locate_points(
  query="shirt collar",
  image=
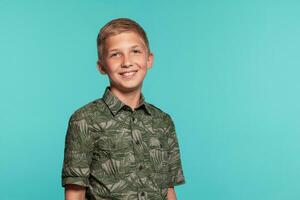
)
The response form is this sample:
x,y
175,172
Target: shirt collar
x,y
115,104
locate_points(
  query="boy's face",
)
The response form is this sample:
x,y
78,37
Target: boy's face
x,y
125,61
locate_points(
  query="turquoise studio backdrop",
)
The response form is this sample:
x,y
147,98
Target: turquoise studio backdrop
x,y
227,72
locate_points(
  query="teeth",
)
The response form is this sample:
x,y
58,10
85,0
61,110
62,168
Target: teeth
x,y
127,73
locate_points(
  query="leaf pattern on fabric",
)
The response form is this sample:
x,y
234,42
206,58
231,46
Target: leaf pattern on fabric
x,y
122,154
111,167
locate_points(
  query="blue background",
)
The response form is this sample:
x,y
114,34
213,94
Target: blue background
x,y
226,71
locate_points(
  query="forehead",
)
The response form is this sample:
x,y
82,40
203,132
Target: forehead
x,y
124,40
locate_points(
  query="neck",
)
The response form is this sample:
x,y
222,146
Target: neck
x,y
130,98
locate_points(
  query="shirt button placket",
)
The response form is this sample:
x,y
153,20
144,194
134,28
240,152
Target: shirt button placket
x,y
141,195
132,126
133,118
133,122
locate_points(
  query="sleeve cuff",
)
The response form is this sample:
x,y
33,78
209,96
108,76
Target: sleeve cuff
x,y
178,179
178,183
75,181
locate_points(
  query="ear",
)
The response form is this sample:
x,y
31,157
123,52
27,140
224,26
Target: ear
x,y
150,60
100,67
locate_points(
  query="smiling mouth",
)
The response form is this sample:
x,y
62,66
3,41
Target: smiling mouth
x,y
128,74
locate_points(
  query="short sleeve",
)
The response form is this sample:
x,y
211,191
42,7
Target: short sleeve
x,y
77,153
176,176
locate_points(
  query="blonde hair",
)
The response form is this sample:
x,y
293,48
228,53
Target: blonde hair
x,y
115,27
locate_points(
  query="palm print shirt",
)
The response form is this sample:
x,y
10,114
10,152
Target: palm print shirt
x,y
118,153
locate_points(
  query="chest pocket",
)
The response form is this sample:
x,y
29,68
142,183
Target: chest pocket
x,y
113,145
158,153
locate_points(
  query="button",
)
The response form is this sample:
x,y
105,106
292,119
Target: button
x,y
140,167
134,119
142,193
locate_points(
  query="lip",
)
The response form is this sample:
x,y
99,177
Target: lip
x,y
122,73
128,75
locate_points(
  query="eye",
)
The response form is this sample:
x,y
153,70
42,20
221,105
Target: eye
x,y
137,51
114,54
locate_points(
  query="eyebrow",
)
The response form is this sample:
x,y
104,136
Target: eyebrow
x,y
113,50
132,47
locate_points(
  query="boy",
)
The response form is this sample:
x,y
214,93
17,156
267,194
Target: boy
x,y
119,146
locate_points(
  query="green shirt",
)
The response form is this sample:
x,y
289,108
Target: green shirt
x,y
118,153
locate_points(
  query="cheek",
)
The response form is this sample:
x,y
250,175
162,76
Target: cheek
x,y
142,62
112,65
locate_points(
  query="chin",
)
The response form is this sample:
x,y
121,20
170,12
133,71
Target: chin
x,y
130,87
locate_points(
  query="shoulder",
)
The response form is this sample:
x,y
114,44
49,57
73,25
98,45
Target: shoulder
x,y
158,113
88,111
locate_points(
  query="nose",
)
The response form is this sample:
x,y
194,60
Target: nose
x,y
126,61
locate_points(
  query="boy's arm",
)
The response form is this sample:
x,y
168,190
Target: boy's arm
x,y
77,158
74,192
175,167
171,194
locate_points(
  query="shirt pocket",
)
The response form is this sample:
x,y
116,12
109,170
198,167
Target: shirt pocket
x,y
159,159
114,148
158,154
